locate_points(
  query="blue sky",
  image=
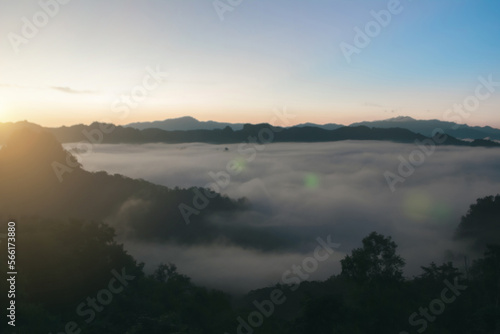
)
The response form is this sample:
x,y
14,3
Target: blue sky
x,y
263,55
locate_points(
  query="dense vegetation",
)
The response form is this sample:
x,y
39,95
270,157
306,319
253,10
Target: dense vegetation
x,y
481,224
67,264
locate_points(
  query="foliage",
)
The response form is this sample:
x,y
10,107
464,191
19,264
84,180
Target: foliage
x,y
481,224
376,260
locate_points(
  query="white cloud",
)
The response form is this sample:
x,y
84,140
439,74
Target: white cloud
x,y
347,198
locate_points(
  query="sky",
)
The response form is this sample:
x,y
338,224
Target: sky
x,y
92,60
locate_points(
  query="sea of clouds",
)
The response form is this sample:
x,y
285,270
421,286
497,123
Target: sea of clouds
x,y
303,191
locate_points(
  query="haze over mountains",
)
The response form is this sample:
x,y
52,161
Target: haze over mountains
x,y
250,133
424,127
190,123
183,124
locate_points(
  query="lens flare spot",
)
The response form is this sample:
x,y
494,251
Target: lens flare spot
x,y
417,206
421,206
240,164
441,211
311,181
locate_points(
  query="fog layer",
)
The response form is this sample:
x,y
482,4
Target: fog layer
x,y
304,191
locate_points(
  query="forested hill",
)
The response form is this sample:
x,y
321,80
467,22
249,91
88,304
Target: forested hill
x,y
39,178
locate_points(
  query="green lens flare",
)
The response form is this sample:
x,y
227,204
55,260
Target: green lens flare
x,y
240,164
421,206
311,181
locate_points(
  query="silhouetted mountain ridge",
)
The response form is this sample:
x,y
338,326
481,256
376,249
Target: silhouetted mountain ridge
x,y
259,133
183,124
425,127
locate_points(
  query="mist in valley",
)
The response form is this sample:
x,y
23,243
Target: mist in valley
x,y
299,192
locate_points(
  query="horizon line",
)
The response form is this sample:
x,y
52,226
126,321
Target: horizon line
x,y
244,123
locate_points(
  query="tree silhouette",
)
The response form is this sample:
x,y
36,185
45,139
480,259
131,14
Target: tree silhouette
x,y
376,260
481,224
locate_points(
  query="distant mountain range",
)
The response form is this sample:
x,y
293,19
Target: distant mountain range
x,y
184,124
187,123
329,126
258,133
424,127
